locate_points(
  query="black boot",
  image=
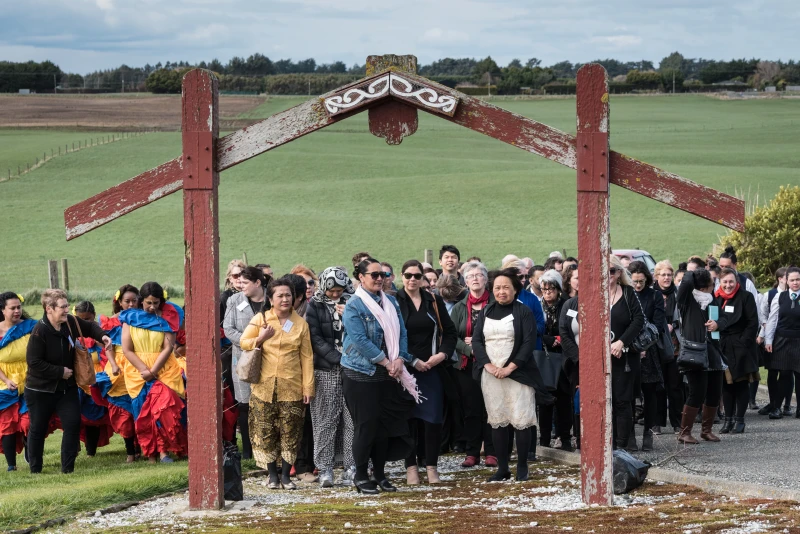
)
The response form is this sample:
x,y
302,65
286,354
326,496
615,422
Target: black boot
x,y
739,427
647,441
631,446
727,426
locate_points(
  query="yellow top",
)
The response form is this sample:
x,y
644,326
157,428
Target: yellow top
x,y
287,359
118,387
147,345
13,364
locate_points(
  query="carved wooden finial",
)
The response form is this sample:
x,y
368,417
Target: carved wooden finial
x,y
392,120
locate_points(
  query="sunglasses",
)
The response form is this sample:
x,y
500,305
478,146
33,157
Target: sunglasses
x,y
311,283
613,270
524,277
236,276
377,274
415,276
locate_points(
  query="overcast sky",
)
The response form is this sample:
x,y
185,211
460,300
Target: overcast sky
x,y
84,35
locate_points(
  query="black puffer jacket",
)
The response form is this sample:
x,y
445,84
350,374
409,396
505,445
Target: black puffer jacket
x,y
323,336
49,351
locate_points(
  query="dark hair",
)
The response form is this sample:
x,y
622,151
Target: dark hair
x,y
474,258
749,276
638,267
412,263
697,260
253,274
300,285
127,288
363,265
566,278
358,257
730,253
427,270
262,266
702,278
509,273
449,287
725,271
679,271
535,268
283,281
387,264
152,289
682,266
570,258
449,248
551,263
10,295
714,269
792,270
84,306
780,273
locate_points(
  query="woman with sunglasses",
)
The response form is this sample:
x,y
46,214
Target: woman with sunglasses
x,y
310,278
626,320
233,284
431,338
379,391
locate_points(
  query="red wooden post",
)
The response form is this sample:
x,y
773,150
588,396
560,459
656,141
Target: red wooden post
x,y
593,251
201,237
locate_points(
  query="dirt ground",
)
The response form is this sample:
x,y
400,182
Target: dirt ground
x,y
135,112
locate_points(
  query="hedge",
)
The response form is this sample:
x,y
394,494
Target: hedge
x,y
477,91
303,84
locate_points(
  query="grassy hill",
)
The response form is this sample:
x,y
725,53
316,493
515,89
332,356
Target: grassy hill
x,y
327,195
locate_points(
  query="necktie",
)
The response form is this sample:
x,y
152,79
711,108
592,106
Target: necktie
x,y
793,296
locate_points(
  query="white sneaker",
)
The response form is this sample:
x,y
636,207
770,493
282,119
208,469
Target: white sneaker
x,y
326,479
349,474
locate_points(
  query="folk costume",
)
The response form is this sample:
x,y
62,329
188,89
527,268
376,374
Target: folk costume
x,y
14,421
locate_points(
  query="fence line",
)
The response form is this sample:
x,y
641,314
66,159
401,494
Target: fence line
x,y
68,149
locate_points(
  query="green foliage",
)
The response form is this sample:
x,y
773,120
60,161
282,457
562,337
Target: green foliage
x,y
478,91
650,80
516,78
449,67
720,71
37,77
486,66
672,78
304,84
241,83
165,81
769,240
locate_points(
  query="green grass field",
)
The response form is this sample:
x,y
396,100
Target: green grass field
x,y
327,195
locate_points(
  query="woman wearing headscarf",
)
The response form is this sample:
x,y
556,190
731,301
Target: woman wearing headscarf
x,y
431,339
331,422
738,327
552,302
695,294
286,383
15,332
477,432
379,391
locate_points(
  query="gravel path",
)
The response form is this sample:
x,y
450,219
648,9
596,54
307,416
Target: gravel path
x,y
764,454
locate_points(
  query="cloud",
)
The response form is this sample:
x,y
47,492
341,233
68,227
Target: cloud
x,y
438,35
618,41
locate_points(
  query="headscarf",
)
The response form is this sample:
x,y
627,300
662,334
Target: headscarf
x,y
331,278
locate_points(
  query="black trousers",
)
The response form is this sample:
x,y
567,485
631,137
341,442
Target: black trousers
x,y
624,379
41,406
563,407
705,387
671,398
476,431
735,397
453,426
305,452
650,395
427,438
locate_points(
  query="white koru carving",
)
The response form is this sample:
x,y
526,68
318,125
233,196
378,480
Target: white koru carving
x,y
426,95
355,96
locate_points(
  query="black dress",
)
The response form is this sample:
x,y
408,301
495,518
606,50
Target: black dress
x,y
421,327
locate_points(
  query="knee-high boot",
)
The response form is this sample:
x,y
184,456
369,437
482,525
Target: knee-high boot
x,y
687,422
706,433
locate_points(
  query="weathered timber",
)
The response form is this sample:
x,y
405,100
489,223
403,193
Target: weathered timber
x,y
65,274
52,273
200,125
392,120
593,313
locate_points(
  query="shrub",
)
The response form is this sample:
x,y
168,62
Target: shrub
x,y
165,81
477,91
304,84
770,239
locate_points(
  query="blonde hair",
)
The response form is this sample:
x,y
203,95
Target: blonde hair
x,y
302,270
663,265
515,264
624,278
51,296
233,263
508,258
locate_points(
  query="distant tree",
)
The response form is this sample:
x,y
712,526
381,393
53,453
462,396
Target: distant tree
x,y
236,66
515,63
644,80
258,65
357,69
216,66
449,67
674,61
486,70
337,67
284,66
533,62
165,81
305,66
672,78
720,71
564,69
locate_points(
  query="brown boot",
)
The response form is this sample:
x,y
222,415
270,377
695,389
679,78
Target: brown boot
x,y
708,423
687,422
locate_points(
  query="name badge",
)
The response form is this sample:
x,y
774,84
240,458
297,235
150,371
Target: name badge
x,y
728,309
242,305
572,313
71,343
287,325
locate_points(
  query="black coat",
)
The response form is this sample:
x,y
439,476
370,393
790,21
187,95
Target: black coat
x,y
569,345
323,337
447,328
693,323
653,308
548,337
738,330
49,351
525,334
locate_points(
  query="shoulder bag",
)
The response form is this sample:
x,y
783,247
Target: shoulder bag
x,y
649,334
549,364
84,368
693,355
248,368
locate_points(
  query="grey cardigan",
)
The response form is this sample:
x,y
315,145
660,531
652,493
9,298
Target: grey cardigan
x,y
236,320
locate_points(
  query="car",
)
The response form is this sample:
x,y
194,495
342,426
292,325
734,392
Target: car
x,y
636,254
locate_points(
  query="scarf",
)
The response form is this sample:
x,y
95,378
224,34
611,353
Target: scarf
x,y
471,301
719,293
551,317
669,291
331,278
702,298
386,316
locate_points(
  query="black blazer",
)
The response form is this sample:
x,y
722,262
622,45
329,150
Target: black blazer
x,y
738,330
569,348
323,337
49,352
448,328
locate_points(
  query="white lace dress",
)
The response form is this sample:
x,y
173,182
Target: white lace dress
x,y
507,401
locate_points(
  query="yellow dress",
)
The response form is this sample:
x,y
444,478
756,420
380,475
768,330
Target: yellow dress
x,y
13,364
147,345
118,386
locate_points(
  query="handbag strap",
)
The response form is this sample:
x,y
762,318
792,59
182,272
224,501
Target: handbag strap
x,y
77,324
438,320
636,294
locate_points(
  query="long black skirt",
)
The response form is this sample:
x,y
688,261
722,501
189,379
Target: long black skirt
x,y
785,354
380,411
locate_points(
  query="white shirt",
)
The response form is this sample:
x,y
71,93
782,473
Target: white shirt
x,y
772,321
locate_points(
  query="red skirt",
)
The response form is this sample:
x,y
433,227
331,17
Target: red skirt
x,y
121,421
159,427
11,422
104,424
230,414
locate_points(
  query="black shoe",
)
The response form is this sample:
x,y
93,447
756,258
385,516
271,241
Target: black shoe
x,y
566,445
459,448
727,427
676,429
753,406
631,446
787,410
765,410
497,477
776,414
739,427
797,413
366,486
647,442
385,485
656,430
522,472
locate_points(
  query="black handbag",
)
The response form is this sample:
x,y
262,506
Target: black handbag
x,y
693,355
549,364
649,333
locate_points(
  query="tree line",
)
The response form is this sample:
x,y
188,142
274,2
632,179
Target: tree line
x,y
258,73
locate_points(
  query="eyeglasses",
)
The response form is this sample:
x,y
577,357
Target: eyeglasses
x,y
474,276
638,282
64,307
613,270
415,276
236,276
377,274
549,290
523,277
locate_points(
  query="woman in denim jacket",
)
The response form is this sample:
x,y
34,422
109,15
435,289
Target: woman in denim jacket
x,y
379,391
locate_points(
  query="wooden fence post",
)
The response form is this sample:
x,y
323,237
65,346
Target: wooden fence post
x,y
244,258
64,274
52,273
428,255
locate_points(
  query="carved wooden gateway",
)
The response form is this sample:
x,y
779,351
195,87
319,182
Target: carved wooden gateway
x,y
393,93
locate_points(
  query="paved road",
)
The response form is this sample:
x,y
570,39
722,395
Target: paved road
x,y
767,453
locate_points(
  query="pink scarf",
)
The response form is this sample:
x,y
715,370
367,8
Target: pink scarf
x,y
390,323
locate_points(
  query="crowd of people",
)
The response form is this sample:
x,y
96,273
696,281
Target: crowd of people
x,y
357,369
